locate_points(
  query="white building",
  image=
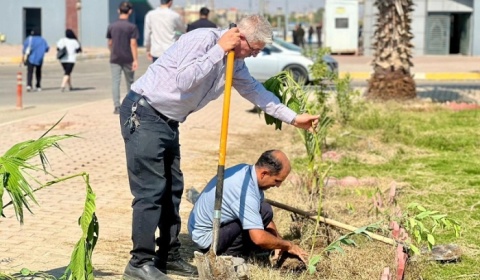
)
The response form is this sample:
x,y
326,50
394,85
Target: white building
x,y
440,27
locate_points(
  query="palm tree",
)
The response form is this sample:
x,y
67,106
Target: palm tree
x,y
393,52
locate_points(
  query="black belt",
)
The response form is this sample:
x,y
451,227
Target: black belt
x,y
140,100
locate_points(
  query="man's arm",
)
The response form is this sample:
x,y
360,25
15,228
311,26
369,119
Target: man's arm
x,y
134,49
180,26
146,35
267,240
256,93
110,44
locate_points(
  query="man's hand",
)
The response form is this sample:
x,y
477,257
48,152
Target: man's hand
x,y
149,56
299,252
306,121
134,65
230,39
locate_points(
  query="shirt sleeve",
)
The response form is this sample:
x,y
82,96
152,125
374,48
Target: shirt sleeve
x,y
147,33
255,92
180,26
109,33
199,57
249,213
134,33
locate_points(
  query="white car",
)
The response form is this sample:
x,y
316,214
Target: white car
x,y
280,56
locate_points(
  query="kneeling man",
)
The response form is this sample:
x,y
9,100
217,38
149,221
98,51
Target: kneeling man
x,y
246,221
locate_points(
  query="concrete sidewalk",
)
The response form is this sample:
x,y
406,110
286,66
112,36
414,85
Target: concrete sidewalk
x,y
450,67
46,239
12,54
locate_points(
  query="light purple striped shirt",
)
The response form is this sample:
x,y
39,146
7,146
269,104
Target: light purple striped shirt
x,y
191,73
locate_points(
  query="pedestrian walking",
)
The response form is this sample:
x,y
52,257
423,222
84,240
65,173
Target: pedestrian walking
x,y
70,46
294,35
319,35
34,49
300,36
310,35
183,80
162,26
122,38
203,22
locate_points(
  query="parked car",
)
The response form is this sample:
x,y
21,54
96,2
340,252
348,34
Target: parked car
x,y
282,55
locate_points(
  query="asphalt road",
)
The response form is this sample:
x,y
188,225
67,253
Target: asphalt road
x,y
92,81
90,78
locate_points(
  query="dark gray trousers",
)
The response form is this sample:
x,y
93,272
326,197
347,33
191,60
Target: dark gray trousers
x,y
156,182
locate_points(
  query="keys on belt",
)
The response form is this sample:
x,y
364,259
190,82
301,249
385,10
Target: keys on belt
x,y
133,121
138,99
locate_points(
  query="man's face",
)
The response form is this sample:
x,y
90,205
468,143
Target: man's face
x,y
268,180
247,49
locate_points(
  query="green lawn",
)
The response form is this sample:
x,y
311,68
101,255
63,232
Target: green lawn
x,y
434,151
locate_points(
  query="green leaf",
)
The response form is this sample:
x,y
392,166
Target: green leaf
x,y
431,239
26,272
15,166
414,249
80,266
422,215
314,260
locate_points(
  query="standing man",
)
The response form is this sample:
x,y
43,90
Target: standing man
x,y
319,35
183,80
203,22
300,36
310,35
247,220
161,28
122,38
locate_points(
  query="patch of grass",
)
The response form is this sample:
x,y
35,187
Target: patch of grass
x,y
435,152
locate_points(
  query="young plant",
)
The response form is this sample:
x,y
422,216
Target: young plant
x,y
422,223
15,168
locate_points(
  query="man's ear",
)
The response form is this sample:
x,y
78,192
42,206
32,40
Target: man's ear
x,y
264,173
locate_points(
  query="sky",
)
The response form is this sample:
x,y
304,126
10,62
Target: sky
x,y
271,5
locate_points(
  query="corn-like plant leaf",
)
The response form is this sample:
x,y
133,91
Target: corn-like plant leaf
x,y
14,166
81,267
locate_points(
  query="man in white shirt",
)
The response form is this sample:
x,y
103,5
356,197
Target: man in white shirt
x,y
161,28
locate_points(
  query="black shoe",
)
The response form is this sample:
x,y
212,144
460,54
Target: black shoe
x,y
179,267
146,272
116,111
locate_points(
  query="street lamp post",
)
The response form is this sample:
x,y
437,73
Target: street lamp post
x,y
286,20
79,20
279,19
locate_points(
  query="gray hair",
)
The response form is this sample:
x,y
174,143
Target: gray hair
x,y
256,29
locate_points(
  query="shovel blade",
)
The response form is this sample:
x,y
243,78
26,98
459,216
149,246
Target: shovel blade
x,y
215,267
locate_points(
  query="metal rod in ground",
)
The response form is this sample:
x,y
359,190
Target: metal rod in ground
x,y
330,221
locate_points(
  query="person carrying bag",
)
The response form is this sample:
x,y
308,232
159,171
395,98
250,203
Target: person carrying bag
x,y
34,49
67,49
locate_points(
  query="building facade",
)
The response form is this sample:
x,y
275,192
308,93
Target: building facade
x,y
89,19
439,27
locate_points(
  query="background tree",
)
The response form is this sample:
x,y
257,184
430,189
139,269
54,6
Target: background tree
x,y
318,16
393,52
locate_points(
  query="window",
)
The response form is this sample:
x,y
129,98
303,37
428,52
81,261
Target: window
x,y
341,23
